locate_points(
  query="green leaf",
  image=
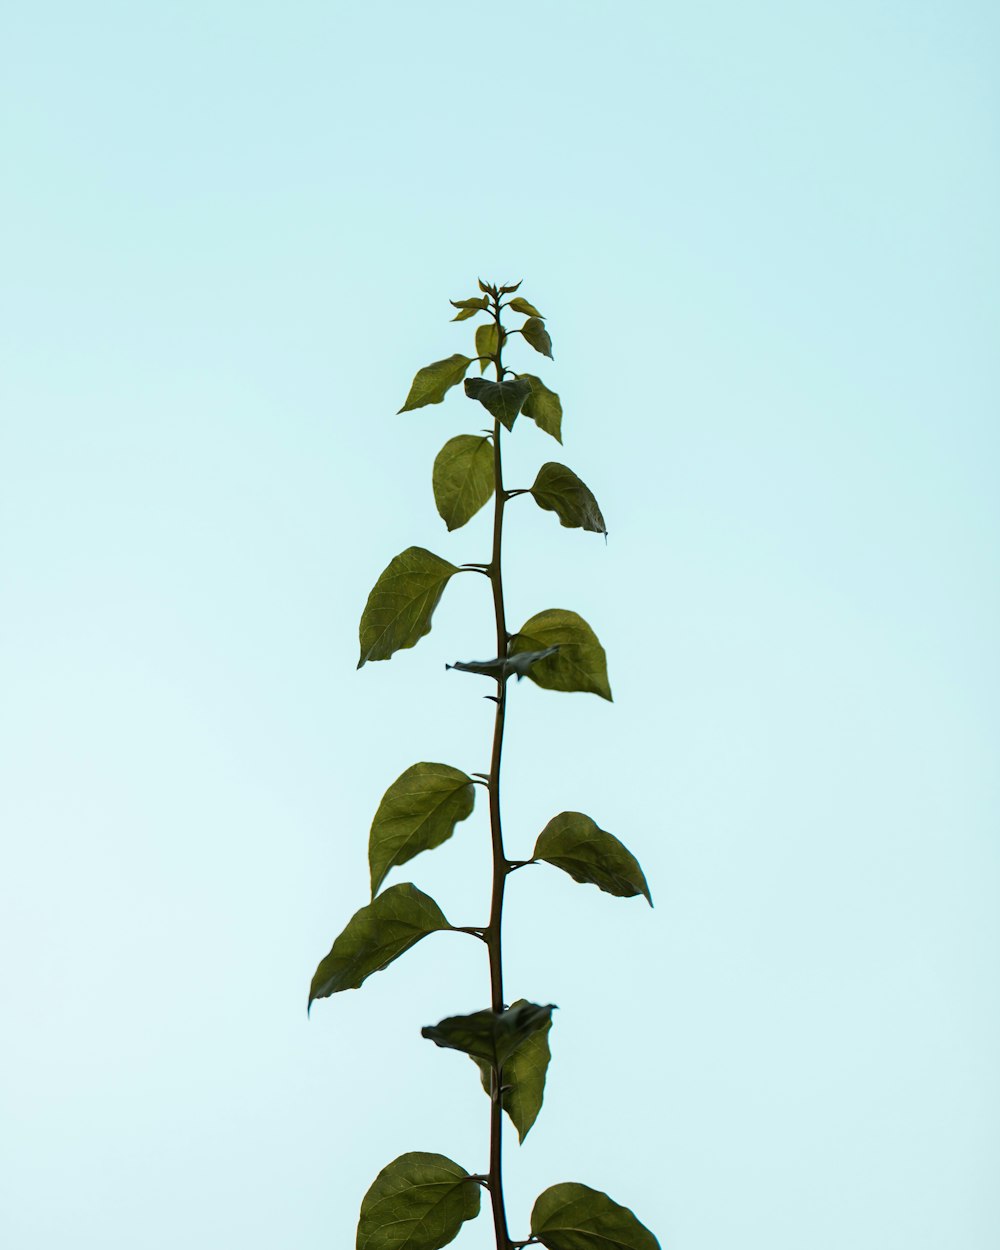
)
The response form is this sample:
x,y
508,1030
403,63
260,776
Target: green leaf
x,y
490,1036
519,305
504,290
463,478
418,1202
504,400
559,490
487,343
516,664
575,1217
418,812
399,609
483,287
543,407
468,307
376,935
574,843
432,383
536,334
523,1078
580,662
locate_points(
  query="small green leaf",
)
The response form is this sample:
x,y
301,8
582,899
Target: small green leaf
x,y
543,407
516,664
575,1217
559,490
580,662
487,340
399,609
483,287
374,937
468,307
519,305
432,383
536,334
418,812
418,1202
503,400
574,843
490,1036
523,1078
505,290
463,478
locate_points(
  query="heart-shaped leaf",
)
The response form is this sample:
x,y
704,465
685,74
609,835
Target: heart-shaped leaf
x,y
576,1217
399,609
487,344
463,478
578,664
375,936
519,305
503,400
418,812
536,334
433,382
573,842
543,407
523,1085
418,1202
491,1036
559,490
516,664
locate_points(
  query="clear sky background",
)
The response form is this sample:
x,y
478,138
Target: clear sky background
x,y
765,237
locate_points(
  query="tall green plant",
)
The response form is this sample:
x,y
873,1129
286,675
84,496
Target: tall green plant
x,y
420,1200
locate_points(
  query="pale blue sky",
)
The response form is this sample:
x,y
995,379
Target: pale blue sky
x,y
766,240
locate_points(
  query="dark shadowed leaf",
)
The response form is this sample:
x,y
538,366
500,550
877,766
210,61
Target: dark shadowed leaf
x,y
559,490
418,812
536,334
523,1078
580,662
516,664
575,1217
418,1202
399,609
487,339
543,407
463,478
522,306
491,1036
573,842
468,307
504,400
432,383
375,936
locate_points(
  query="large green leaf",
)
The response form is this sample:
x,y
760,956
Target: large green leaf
x,y
580,662
487,344
399,609
375,936
504,400
418,1202
490,1036
573,842
432,383
463,478
418,812
543,407
520,305
576,1217
559,490
536,334
523,1078
468,307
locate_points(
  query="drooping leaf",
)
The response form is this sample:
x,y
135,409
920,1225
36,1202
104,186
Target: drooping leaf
x,y
491,1036
468,307
543,407
559,490
399,609
523,1078
376,935
519,305
487,343
432,382
516,664
576,1217
573,842
418,1202
580,662
418,812
504,400
463,478
536,334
